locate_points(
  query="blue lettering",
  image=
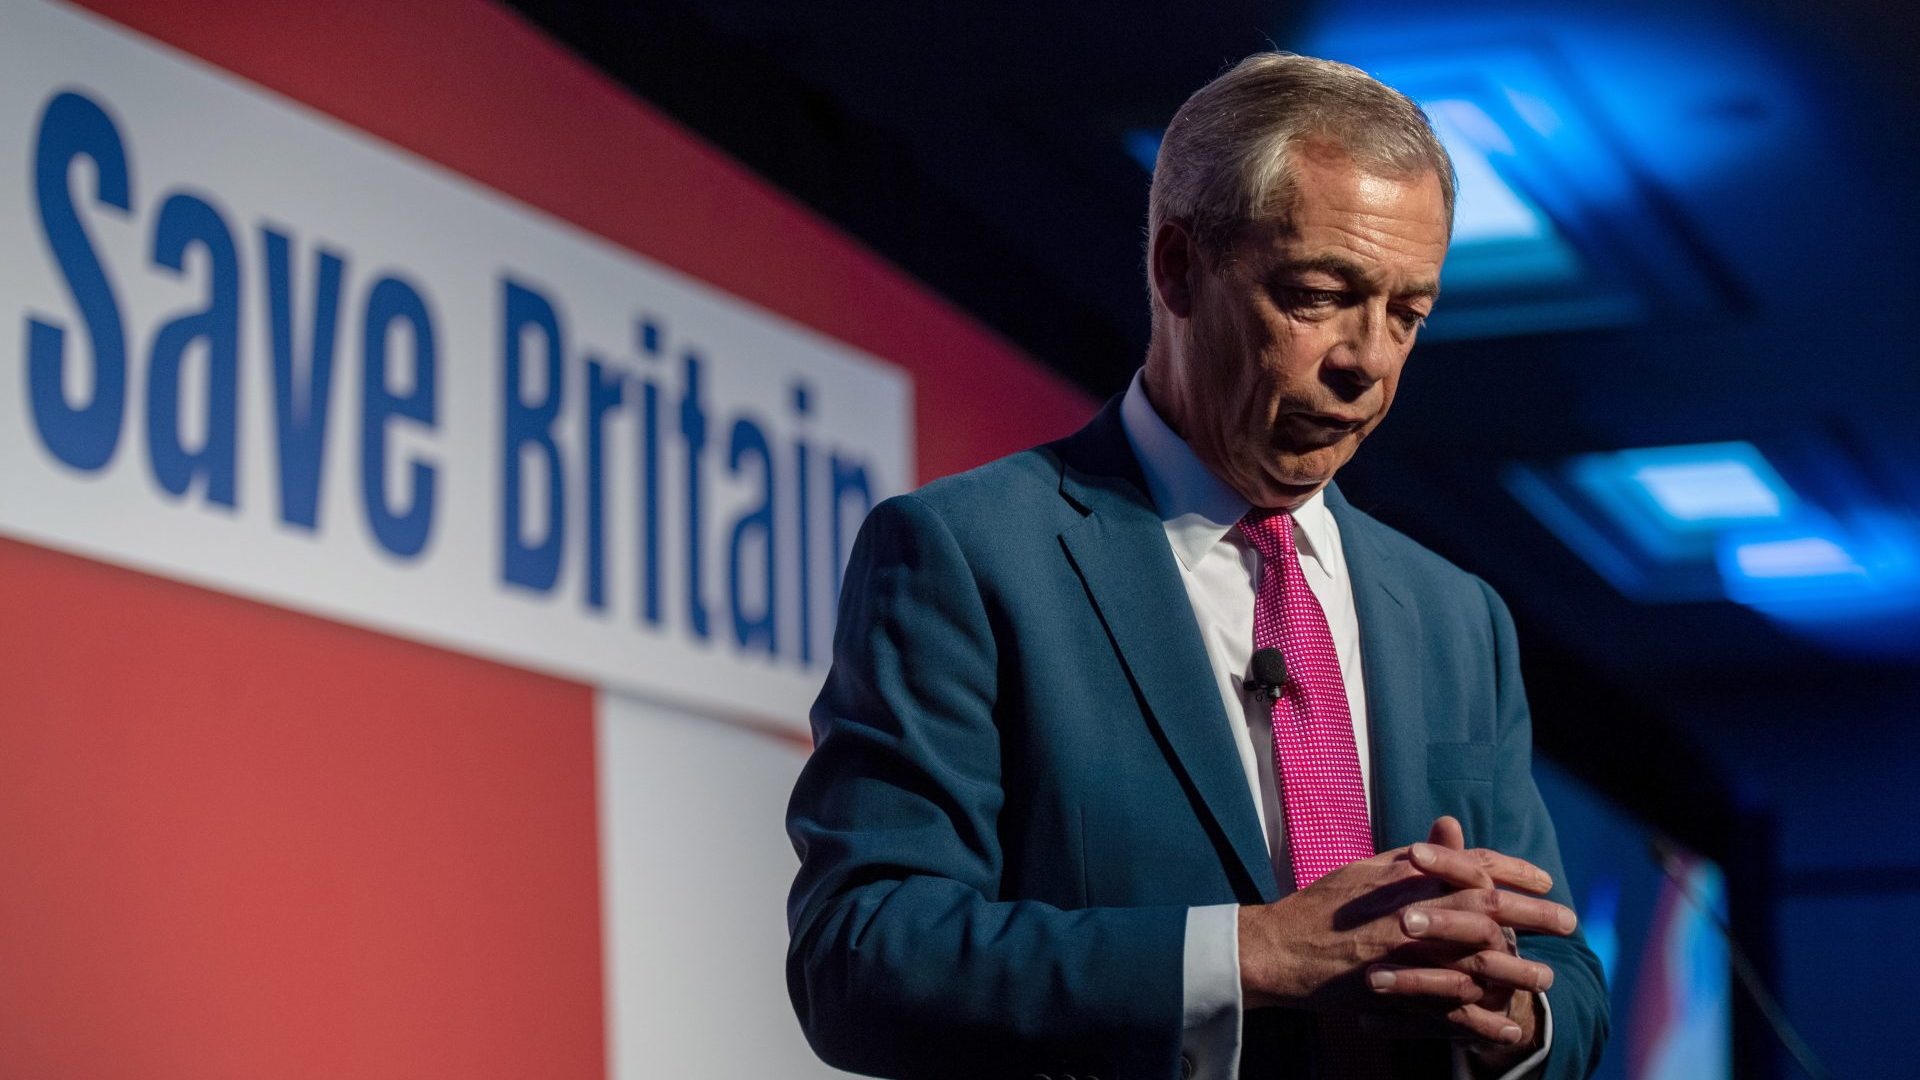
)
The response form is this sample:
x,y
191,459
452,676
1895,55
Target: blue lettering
x,y
803,532
650,482
402,531
186,221
753,631
301,404
693,428
72,127
531,564
605,389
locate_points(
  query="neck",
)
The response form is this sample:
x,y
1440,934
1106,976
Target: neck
x,y
1158,383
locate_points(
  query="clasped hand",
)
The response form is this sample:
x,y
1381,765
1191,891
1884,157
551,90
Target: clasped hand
x,y
1414,939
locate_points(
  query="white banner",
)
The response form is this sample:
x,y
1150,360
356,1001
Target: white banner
x,y
258,350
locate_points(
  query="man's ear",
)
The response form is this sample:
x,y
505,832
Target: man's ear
x,y
1173,262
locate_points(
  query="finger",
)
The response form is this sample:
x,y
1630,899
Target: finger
x,y
1498,999
1424,986
1523,913
1377,887
1431,924
1446,833
1492,967
1486,1025
1456,867
1478,868
1499,973
1512,872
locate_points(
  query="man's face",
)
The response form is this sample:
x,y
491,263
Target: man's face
x,y
1294,342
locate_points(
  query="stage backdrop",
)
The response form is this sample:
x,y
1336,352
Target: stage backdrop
x,y
425,477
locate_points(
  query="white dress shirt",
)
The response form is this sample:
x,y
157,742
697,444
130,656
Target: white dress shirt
x,y
1221,571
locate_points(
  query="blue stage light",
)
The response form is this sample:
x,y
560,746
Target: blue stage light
x,y
1501,237
1673,502
1573,165
1794,557
1717,521
1707,485
1816,569
1486,208
1713,491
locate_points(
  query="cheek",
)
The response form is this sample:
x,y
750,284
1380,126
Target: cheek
x,y
1292,357
1266,338
1230,370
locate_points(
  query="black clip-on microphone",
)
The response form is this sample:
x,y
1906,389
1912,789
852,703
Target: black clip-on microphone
x,y
1269,673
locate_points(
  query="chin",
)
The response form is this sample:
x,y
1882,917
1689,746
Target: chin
x,y
1283,478
1285,493
1312,469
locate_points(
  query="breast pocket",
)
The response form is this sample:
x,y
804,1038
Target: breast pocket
x,y
1460,780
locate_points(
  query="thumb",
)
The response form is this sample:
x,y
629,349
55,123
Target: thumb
x,y
1446,832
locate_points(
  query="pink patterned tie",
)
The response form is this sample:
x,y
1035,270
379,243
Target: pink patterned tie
x,y
1313,749
1314,754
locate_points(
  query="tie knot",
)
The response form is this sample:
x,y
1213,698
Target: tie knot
x,y
1269,531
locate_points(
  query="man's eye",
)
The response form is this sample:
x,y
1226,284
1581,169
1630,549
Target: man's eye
x,y
1409,318
1314,299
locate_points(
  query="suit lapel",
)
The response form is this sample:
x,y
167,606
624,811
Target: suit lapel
x,y
1391,658
1120,550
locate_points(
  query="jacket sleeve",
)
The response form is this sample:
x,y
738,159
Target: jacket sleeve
x,y
904,959
1579,991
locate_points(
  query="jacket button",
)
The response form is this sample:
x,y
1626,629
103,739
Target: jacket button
x,y
1186,1067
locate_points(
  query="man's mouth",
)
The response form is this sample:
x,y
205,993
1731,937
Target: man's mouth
x,y
1332,421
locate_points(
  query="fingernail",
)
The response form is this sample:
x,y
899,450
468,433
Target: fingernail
x,y
1546,982
1567,922
1415,921
1510,1033
1381,980
1421,854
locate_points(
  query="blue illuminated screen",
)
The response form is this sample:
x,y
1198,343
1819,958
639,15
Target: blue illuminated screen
x,y
1666,963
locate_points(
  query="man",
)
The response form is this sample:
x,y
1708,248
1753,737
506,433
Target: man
x,y
1067,816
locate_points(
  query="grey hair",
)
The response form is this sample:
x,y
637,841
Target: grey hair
x,y
1225,162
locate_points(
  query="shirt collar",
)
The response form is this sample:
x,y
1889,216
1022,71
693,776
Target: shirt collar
x,y
1197,507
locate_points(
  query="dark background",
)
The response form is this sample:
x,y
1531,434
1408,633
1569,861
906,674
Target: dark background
x,y
1770,234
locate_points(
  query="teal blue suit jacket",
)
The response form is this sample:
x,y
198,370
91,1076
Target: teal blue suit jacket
x,y
1022,779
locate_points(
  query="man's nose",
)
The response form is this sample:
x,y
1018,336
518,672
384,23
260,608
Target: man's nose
x,y
1367,351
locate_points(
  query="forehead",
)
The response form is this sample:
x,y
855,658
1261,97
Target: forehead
x,y
1392,228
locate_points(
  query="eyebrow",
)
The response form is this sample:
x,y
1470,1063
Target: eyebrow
x,y
1351,273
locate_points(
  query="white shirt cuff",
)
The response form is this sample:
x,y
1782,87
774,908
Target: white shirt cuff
x,y
1210,994
1523,1071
